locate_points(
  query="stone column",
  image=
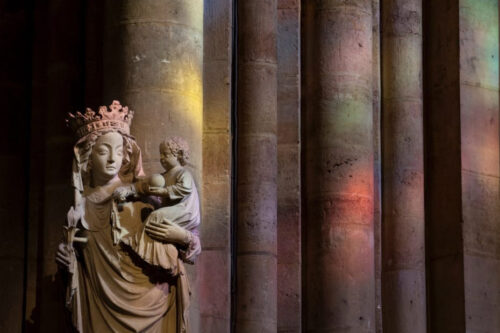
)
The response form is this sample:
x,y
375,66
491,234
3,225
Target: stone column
x,y
215,260
256,294
153,54
289,196
479,126
340,281
403,234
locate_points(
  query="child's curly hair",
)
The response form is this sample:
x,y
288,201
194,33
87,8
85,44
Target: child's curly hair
x,y
178,147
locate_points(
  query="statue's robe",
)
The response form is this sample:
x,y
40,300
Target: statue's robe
x,y
115,291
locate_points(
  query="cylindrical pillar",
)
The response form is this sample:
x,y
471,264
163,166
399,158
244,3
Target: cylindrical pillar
x,y
403,263
215,261
153,62
153,53
480,162
340,278
289,192
256,296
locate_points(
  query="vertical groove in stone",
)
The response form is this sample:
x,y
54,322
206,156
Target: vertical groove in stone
x,y
257,167
403,234
215,260
152,61
289,203
377,165
443,191
340,278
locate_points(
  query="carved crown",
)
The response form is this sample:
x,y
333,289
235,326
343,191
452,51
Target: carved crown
x,y
116,117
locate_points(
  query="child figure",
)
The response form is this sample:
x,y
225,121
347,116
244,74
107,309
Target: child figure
x,y
179,204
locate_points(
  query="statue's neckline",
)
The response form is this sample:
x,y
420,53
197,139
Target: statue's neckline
x,y
102,193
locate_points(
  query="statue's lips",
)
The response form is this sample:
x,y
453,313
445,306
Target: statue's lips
x,y
110,168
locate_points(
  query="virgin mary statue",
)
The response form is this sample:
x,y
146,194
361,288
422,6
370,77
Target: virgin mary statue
x,y
110,288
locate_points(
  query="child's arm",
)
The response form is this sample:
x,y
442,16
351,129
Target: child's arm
x,y
183,187
136,189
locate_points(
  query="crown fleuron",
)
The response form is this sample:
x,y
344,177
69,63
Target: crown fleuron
x,y
116,117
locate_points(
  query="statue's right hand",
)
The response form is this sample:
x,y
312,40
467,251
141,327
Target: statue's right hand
x,y
121,193
65,256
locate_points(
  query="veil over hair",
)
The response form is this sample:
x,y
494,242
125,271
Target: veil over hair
x,y
131,167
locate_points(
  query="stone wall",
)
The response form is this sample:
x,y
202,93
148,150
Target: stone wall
x,y
15,72
347,154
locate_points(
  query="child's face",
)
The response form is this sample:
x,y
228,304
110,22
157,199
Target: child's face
x,y
167,159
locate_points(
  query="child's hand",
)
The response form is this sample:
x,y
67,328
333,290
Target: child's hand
x,y
159,191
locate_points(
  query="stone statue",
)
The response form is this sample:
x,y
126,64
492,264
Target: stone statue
x,y
180,208
111,286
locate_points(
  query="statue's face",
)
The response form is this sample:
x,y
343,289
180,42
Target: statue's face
x,y
106,156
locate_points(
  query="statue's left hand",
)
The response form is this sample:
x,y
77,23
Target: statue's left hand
x,y
65,256
167,233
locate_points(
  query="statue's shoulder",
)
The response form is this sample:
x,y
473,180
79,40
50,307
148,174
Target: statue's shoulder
x,y
178,172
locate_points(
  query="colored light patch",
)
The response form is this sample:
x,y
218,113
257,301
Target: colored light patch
x,y
479,42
